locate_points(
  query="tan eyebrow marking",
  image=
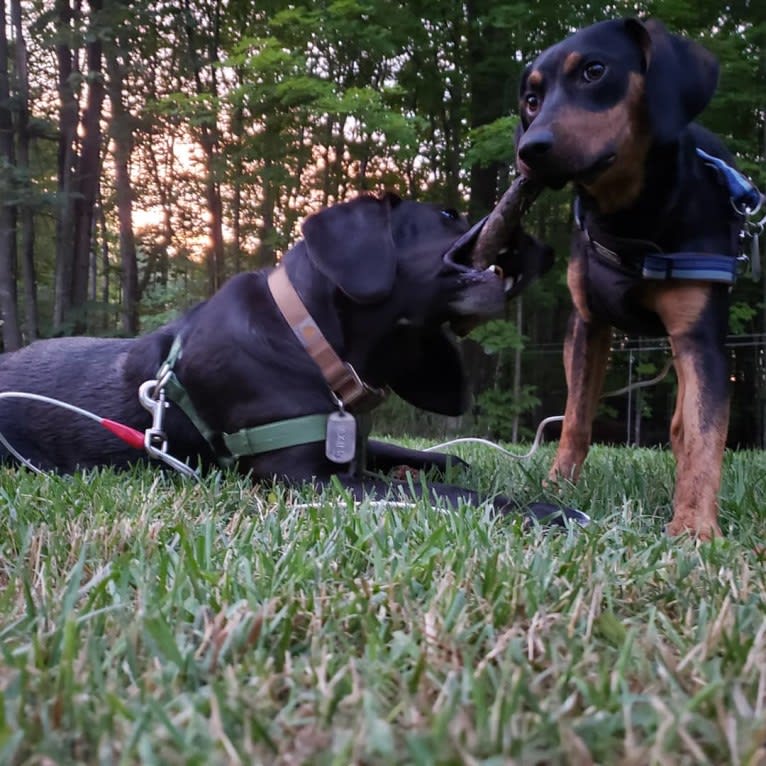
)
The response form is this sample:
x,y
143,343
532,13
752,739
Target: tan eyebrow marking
x,y
571,62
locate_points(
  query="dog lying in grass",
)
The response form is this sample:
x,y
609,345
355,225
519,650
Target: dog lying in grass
x,y
275,374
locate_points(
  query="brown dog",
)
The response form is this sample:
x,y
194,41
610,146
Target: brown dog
x,y
656,243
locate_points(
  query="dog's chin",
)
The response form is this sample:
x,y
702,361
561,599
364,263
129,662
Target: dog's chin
x,y
591,174
557,177
461,326
542,176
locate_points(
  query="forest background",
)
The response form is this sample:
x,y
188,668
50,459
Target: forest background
x,y
151,149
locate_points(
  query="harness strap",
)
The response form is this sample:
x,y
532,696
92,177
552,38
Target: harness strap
x,y
255,440
274,436
177,394
696,266
704,267
168,380
745,195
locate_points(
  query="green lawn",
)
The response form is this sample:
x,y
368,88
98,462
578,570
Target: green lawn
x,y
146,619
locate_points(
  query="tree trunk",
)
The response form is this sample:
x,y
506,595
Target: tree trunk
x,y
163,183
265,255
122,140
29,272
67,149
488,102
105,276
517,371
209,142
88,171
8,298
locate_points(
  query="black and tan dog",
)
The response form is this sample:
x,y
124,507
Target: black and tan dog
x,y
267,374
655,246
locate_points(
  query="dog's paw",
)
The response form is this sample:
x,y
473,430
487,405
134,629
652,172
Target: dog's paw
x,y
698,529
404,472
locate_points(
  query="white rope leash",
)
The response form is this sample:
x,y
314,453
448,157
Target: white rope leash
x,y
475,440
129,435
552,419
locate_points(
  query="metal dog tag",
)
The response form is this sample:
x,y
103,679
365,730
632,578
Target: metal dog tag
x,y
340,442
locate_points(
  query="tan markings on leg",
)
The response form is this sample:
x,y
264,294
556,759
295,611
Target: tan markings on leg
x,y
678,305
576,284
697,435
586,352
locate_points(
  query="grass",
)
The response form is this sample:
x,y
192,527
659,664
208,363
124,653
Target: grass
x,y
146,619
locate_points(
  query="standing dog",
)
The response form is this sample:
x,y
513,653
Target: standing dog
x,y
274,374
655,246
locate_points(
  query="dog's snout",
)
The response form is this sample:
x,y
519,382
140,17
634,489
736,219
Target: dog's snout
x,y
534,146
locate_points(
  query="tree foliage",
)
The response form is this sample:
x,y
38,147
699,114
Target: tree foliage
x,y
150,149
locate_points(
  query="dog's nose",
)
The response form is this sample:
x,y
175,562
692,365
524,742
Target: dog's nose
x,y
533,146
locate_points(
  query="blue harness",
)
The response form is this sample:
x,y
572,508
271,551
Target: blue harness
x,y
746,201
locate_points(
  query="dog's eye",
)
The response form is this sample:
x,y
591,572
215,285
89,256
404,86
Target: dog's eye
x,y
593,71
531,102
451,213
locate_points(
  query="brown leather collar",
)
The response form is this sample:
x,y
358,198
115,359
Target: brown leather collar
x,y
350,390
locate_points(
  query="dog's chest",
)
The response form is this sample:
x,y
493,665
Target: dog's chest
x,y
605,291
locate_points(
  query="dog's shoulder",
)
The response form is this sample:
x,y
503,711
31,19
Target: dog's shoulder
x,y
702,138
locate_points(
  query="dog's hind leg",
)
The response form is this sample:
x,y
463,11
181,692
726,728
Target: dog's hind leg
x,y
586,351
695,318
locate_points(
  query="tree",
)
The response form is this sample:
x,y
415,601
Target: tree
x,y
26,201
8,211
121,129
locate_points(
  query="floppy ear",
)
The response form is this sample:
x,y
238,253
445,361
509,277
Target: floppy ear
x,y
428,370
351,244
681,77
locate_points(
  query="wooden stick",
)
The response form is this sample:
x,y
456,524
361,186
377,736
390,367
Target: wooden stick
x,y
504,222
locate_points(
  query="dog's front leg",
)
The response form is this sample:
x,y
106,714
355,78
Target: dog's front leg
x,y
695,318
586,351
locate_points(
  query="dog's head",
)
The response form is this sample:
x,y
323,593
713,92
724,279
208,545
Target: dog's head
x,y
593,104
402,278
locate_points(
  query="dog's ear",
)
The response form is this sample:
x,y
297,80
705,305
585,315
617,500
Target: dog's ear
x,y
681,77
427,370
352,245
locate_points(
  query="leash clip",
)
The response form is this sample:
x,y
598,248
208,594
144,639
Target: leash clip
x,y
153,399
752,230
151,394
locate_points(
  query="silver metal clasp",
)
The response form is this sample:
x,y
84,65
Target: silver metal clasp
x,y
152,397
151,394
